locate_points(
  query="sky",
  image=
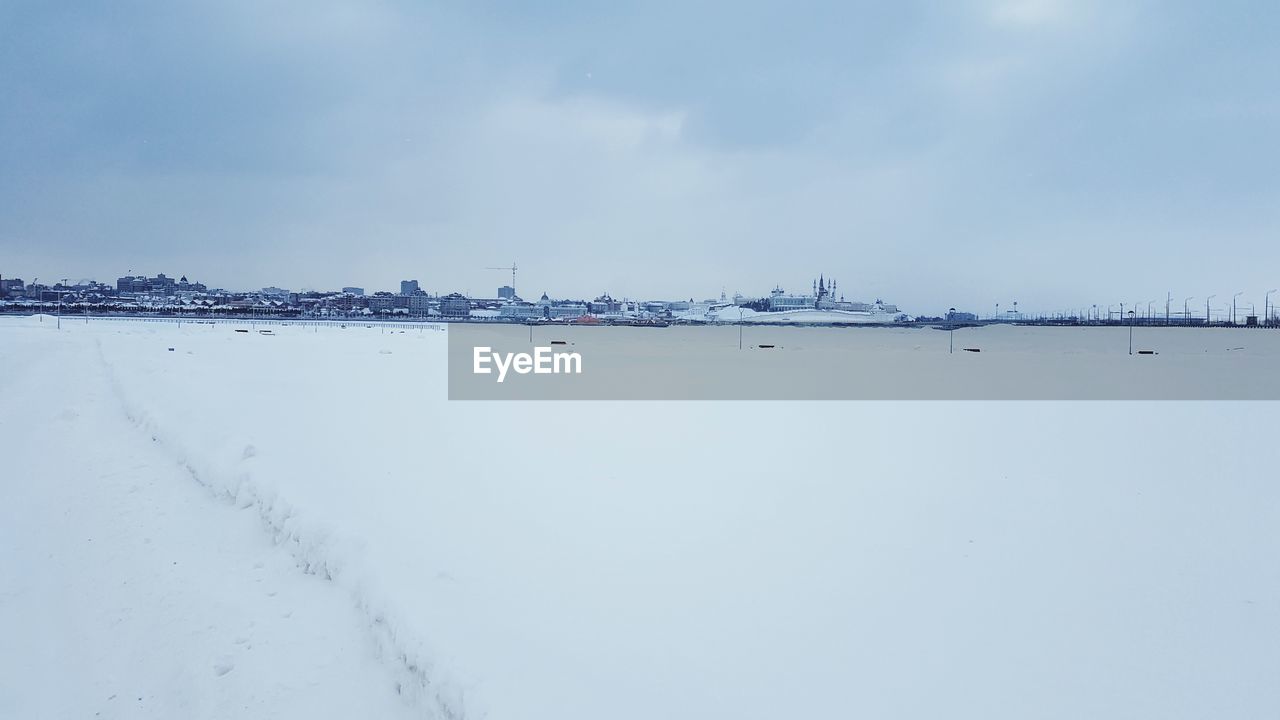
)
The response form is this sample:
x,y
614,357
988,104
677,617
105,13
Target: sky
x,y
1053,152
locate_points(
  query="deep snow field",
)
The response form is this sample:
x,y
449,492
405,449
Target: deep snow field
x,y
300,525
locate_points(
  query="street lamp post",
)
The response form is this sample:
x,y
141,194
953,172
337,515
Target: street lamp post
x,y
951,323
60,291
1186,314
1130,332
1207,319
1233,306
1266,308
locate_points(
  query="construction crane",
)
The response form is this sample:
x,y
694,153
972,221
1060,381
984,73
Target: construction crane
x,y
513,274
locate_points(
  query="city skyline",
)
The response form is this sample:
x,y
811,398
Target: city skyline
x,y
1232,306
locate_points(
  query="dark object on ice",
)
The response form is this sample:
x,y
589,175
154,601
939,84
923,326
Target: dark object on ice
x,y
1146,352
170,349
243,331
973,349
764,347
559,342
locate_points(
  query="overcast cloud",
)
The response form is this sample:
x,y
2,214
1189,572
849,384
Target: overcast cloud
x,y
1053,152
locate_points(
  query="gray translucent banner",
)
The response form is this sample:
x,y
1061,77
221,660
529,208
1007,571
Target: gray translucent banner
x,y
516,362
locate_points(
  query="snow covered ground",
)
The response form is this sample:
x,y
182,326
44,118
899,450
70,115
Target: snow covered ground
x,y
127,591
299,525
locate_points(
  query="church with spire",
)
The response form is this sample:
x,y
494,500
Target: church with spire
x,y
825,297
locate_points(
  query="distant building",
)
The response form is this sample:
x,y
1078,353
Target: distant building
x,y
455,305
186,286
605,304
506,292
131,284
569,311
11,285
161,285
353,291
956,316
522,311
782,303
408,287
419,305
382,302
275,292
